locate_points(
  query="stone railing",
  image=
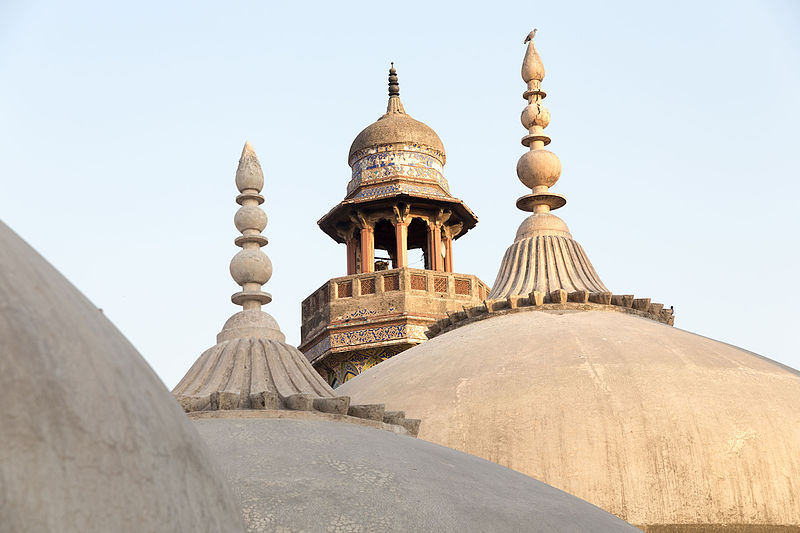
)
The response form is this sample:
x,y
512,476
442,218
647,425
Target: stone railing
x,y
402,279
383,283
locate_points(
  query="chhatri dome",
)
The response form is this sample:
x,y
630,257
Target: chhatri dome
x,y
397,201
595,393
301,458
395,126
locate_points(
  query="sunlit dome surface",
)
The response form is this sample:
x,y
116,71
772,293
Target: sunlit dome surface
x,y
656,425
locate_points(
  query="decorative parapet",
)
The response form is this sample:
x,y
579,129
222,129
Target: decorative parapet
x,y
398,279
558,300
316,308
382,309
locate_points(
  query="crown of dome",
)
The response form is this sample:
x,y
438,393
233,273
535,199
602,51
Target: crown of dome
x,y
395,126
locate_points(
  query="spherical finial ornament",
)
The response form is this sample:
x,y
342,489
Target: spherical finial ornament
x,y
535,114
250,219
251,266
539,168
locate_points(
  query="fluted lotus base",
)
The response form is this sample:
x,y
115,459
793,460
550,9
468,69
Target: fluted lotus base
x,y
545,263
251,372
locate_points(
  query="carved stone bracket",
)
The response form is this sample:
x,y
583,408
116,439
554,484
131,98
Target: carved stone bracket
x,y
441,217
347,233
361,220
402,213
453,230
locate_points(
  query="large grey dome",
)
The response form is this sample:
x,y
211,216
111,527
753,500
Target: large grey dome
x,y
90,439
667,429
313,474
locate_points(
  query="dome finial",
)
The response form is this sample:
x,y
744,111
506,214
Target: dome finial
x,y
394,85
250,268
395,106
538,169
549,270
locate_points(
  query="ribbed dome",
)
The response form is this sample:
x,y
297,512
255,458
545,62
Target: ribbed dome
x,y
394,128
661,427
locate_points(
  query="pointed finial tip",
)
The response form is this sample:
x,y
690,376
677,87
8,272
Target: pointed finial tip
x,y
249,174
532,67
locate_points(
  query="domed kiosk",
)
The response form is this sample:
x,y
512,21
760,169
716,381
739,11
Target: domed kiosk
x,y
301,458
90,439
398,202
595,393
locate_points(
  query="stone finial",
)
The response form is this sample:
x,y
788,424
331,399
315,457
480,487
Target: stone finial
x,y
394,85
250,268
395,106
544,264
538,169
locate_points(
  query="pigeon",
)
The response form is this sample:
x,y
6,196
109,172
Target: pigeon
x,y
530,36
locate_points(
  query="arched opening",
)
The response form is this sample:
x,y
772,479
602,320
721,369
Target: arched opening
x,y
418,240
386,242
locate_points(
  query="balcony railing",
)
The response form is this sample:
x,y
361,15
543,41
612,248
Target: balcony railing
x,y
415,281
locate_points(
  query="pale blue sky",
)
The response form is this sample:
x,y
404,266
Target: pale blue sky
x,y
676,124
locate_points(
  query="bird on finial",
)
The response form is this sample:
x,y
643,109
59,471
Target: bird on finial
x,y
530,36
